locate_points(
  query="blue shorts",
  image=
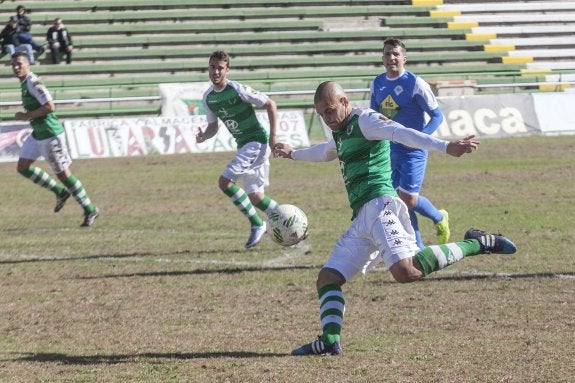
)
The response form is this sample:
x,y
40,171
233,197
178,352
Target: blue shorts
x,y
408,171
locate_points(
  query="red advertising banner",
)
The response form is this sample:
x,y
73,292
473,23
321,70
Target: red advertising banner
x,y
121,137
12,135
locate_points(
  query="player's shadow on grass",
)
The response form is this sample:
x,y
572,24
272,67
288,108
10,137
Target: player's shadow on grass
x,y
492,276
227,270
479,276
44,357
117,256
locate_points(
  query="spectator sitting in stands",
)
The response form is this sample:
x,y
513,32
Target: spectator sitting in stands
x,y
25,26
60,41
11,42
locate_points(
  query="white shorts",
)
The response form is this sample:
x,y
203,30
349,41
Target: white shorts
x,y
251,164
54,150
381,231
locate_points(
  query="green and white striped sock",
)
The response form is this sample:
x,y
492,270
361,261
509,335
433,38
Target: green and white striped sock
x,y
43,179
331,310
80,195
242,202
267,205
437,257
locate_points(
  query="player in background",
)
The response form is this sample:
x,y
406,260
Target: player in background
x,y
47,140
380,222
232,102
406,98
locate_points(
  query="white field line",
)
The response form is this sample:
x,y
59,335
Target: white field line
x,y
289,254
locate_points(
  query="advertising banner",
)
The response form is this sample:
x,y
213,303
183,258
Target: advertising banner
x,y
553,112
501,115
182,99
12,135
119,137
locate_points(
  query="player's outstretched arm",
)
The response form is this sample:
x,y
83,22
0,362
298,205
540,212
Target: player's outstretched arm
x,y
323,152
282,150
272,111
457,148
208,133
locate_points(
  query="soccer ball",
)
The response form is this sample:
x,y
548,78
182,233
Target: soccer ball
x,y
287,225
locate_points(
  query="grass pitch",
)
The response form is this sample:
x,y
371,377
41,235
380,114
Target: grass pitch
x,y
162,290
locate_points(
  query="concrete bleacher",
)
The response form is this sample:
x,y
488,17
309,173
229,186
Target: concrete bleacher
x,y
536,33
125,48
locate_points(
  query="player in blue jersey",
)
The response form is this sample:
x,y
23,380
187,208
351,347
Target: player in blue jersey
x,y
406,98
380,230
232,103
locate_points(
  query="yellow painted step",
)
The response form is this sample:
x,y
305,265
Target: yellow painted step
x,y
498,48
426,2
530,72
480,36
462,24
444,13
517,60
554,87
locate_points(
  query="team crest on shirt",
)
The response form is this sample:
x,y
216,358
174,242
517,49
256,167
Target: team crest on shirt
x,y
338,146
398,90
349,129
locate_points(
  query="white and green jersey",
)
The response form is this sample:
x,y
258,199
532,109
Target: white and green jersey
x,y
362,146
34,95
233,105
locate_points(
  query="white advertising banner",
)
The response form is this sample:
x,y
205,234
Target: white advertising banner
x,y
121,137
552,110
182,99
501,115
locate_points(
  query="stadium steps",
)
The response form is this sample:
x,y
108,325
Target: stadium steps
x,y
449,52
128,5
418,61
536,33
129,29
414,35
131,46
242,14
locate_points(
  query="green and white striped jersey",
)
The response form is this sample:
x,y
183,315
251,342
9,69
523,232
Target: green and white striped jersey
x,y
365,164
362,146
34,95
233,105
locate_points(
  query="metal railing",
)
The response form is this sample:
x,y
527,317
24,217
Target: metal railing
x,y
446,84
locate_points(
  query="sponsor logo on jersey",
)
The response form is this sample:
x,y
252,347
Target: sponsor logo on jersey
x,y
223,112
232,126
389,108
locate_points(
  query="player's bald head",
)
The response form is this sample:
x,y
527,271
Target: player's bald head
x,y
328,91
